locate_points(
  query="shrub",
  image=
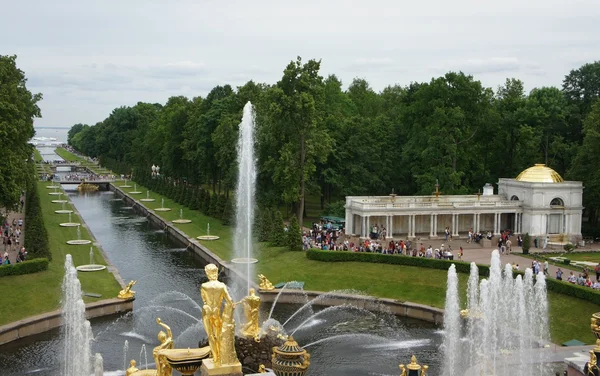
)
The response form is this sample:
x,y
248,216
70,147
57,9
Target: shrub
x,y
568,247
526,243
294,235
566,261
36,237
277,235
26,267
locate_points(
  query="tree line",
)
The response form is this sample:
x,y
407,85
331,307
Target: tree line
x,y
313,138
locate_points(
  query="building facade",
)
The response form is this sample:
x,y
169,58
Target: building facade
x,y
538,202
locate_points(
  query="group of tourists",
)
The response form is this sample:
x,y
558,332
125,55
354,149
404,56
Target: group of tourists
x,y
11,239
322,235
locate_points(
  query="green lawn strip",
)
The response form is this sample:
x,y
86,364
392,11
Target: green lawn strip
x,y
41,167
68,156
569,317
32,294
583,256
543,257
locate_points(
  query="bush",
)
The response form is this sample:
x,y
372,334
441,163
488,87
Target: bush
x,y
277,235
566,261
526,243
568,247
338,256
26,267
36,238
294,235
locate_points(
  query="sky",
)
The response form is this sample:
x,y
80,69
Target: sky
x,y
89,57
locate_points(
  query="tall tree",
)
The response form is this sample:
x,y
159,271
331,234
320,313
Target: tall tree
x,y
293,127
581,87
18,108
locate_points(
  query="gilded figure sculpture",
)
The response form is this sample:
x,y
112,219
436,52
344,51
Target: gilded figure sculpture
x,y
413,366
219,324
251,309
265,284
127,293
262,369
166,342
132,368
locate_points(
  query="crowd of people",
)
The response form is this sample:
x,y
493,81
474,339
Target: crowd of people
x,y
11,239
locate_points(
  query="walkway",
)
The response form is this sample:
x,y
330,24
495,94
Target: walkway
x,y
12,255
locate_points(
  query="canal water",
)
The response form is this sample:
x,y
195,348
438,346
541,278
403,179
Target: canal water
x,y
342,341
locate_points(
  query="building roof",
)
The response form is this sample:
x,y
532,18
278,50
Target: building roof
x,y
540,173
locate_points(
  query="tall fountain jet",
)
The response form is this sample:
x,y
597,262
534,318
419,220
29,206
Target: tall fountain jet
x,y
505,324
246,187
76,331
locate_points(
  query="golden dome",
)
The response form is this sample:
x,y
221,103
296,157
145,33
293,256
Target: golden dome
x,y
539,173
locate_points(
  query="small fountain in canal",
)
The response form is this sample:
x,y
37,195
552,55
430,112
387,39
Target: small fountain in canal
x,y
162,206
70,223
246,186
208,236
181,220
78,241
147,199
63,210
91,267
135,191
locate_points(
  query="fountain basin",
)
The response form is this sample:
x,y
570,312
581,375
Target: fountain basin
x,y
180,221
208,237
63,211
135,192
70,224
125,186
244,260
60,201
52,186
115,199
90,268
55,193
78,242
147,199
162,209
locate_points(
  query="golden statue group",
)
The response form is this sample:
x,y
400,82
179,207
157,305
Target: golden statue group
x,y
219,324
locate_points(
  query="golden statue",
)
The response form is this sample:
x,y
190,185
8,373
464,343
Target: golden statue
x,y
166,342
403,369
262,369
251,328
132,368
265,284
127,293
219,325
592,364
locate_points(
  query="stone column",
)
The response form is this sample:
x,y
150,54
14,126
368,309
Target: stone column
x,y
413,224
431,225
363,222
435,229
367,228
453,224
515,226
495,223
473,225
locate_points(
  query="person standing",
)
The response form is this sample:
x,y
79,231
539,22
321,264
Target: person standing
x,y
546,267
559,274
597,269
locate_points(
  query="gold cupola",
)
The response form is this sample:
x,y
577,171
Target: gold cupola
x,y
540,173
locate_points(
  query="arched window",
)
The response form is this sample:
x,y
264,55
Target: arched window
x,y
557,202
514,198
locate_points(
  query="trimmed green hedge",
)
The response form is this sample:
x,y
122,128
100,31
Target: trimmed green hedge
x,y
25,267
560,287
36,238
336,256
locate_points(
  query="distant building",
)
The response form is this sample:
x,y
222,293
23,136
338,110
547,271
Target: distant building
x,y
538,202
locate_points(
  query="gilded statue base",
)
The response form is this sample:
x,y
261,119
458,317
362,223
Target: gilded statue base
x,y
210,369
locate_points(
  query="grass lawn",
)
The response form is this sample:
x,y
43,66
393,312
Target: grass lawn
x,y
569,316
584,256
68,156
32,294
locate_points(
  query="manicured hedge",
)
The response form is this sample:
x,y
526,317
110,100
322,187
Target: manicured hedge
x,y
36,238
560,287
336,256
25,267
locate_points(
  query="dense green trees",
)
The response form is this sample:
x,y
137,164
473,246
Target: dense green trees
x,y
315,139
18,107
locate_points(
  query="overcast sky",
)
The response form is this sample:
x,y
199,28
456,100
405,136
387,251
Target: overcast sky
x,y
88,57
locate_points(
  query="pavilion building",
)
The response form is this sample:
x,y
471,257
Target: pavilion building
x,y
538,202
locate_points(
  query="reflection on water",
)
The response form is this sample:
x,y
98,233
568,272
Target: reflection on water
x,y
342,340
